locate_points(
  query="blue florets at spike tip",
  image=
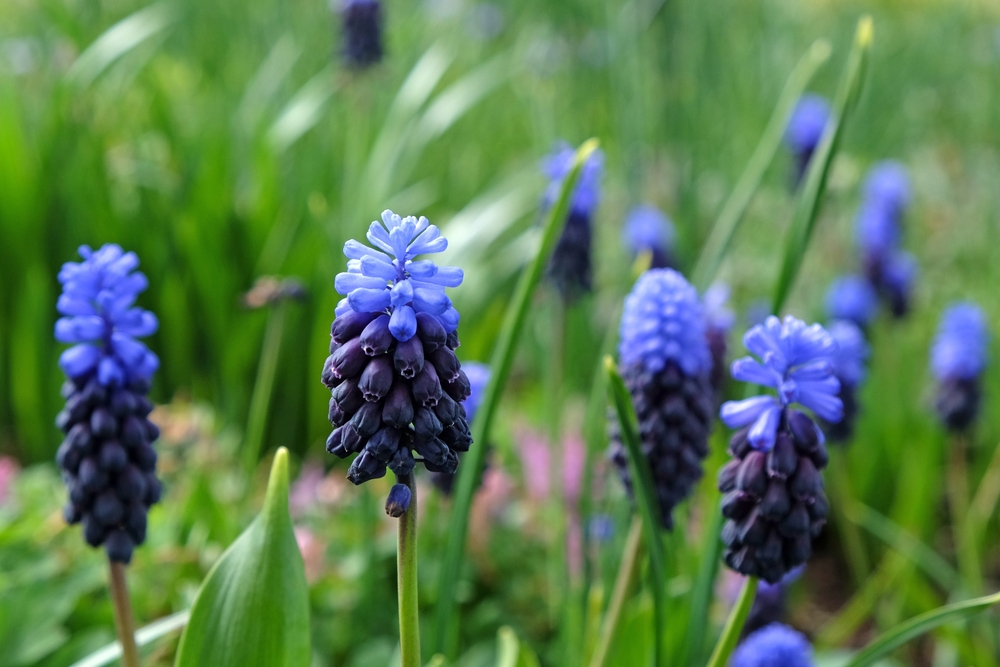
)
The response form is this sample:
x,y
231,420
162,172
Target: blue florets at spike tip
x,y
774,646
648,229
958,358
852,298
389,280
479,377
849,367
797,361
587,193
362,32
887,185
807,123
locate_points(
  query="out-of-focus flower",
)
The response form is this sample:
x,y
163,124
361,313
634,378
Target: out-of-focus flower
x,y
805,130
107,458
852,298
312,552
536,462
774,646
958,358
8,473
648,229
361,32
270,290
719,320
666,364
887,185
849,367
574,459
769,604
479,377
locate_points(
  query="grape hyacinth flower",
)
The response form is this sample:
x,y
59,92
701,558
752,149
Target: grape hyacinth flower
x,y
776,645
849,368
958,358
719,320
107,459
852,298
774,502
479,377
362,32
665,363
805,130
648,229
570,267
887,186
397,386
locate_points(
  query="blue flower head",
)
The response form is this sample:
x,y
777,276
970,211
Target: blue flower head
x,y
719,317
851,354
876,229
587,193
479,377
774,646
648,228
797,361
959,350
389,279
99,316
806,124
852,298
888,186
899,272
663,321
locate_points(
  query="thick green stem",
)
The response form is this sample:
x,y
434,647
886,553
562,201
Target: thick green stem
x,y
124,621
623,583
734,626
406,577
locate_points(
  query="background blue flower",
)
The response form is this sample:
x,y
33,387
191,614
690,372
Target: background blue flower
x,y
959,350
852,298
776,645
587,193
807,122
647,228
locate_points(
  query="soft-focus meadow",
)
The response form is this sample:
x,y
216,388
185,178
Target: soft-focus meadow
x,y
224,142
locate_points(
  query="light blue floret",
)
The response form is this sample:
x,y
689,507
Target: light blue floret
x,y
852,352
852,298
776,645
959,350
807,123
888,185
479,377
587,193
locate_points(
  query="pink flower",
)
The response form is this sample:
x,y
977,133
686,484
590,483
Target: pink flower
x,y
8,472
574,460
536,460
312,552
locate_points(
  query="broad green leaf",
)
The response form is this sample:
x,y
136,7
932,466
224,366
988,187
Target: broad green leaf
x,y
143,636
253,607
511,652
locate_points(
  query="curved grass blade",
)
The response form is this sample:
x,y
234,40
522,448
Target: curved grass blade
x,y
143,636
500,364
729,219
807,210
734,625
919,625
645,499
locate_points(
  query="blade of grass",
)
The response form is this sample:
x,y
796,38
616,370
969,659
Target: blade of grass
x,y
807,210
736,205
143,636
500,365
734,625
645,500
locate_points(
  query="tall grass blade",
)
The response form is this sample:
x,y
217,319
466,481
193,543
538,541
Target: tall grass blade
x,y
500,365
303,111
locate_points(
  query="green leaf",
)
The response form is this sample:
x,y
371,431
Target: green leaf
x,y
645,499
915,627
734,624
143,636
253,607
511,652
814,186
500,365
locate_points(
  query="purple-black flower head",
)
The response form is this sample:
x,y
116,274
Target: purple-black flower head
x,y
648,229
107,459
806,124
774,646
959,350
796,361
852,298
362,32
887,186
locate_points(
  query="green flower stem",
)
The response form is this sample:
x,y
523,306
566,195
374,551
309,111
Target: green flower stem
x,y
264,385
627,572
406,578
124,621
734,626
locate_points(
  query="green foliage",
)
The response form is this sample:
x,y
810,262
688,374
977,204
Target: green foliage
x,y
253,607
512,651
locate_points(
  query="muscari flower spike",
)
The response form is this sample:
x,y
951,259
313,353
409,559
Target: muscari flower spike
x,y
958,358
849,367
666,363
805,130
648,229
479,377
570,267
774,502
852,298
776,645
719,321
769,604
107,459
362,32
397,386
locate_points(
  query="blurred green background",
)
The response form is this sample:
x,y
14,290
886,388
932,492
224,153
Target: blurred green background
x,y
224,141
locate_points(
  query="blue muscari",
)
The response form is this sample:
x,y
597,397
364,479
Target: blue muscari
x,y
852,298
851,353
797,361
479,377
959,350
587,193
773,646
807,123
361,32
719,321
648,229
887,186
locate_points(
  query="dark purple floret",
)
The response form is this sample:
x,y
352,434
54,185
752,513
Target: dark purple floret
x,y
362,32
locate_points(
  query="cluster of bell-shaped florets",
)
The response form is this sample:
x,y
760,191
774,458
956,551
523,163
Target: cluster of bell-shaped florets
x,y
361,32
107,459
571,266
397,385
958,358
665,362
776,645
774,500
890,270
805,130
648,229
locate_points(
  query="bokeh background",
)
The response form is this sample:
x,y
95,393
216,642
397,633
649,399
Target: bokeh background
x,y
224,141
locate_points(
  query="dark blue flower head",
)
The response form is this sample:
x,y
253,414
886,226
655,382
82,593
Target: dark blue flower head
x,y
479,377
663,321
362,32
887,186
587,193
388,279
806,124
851,353
647,228
797,361
959,350
97,302
852,298
774,646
